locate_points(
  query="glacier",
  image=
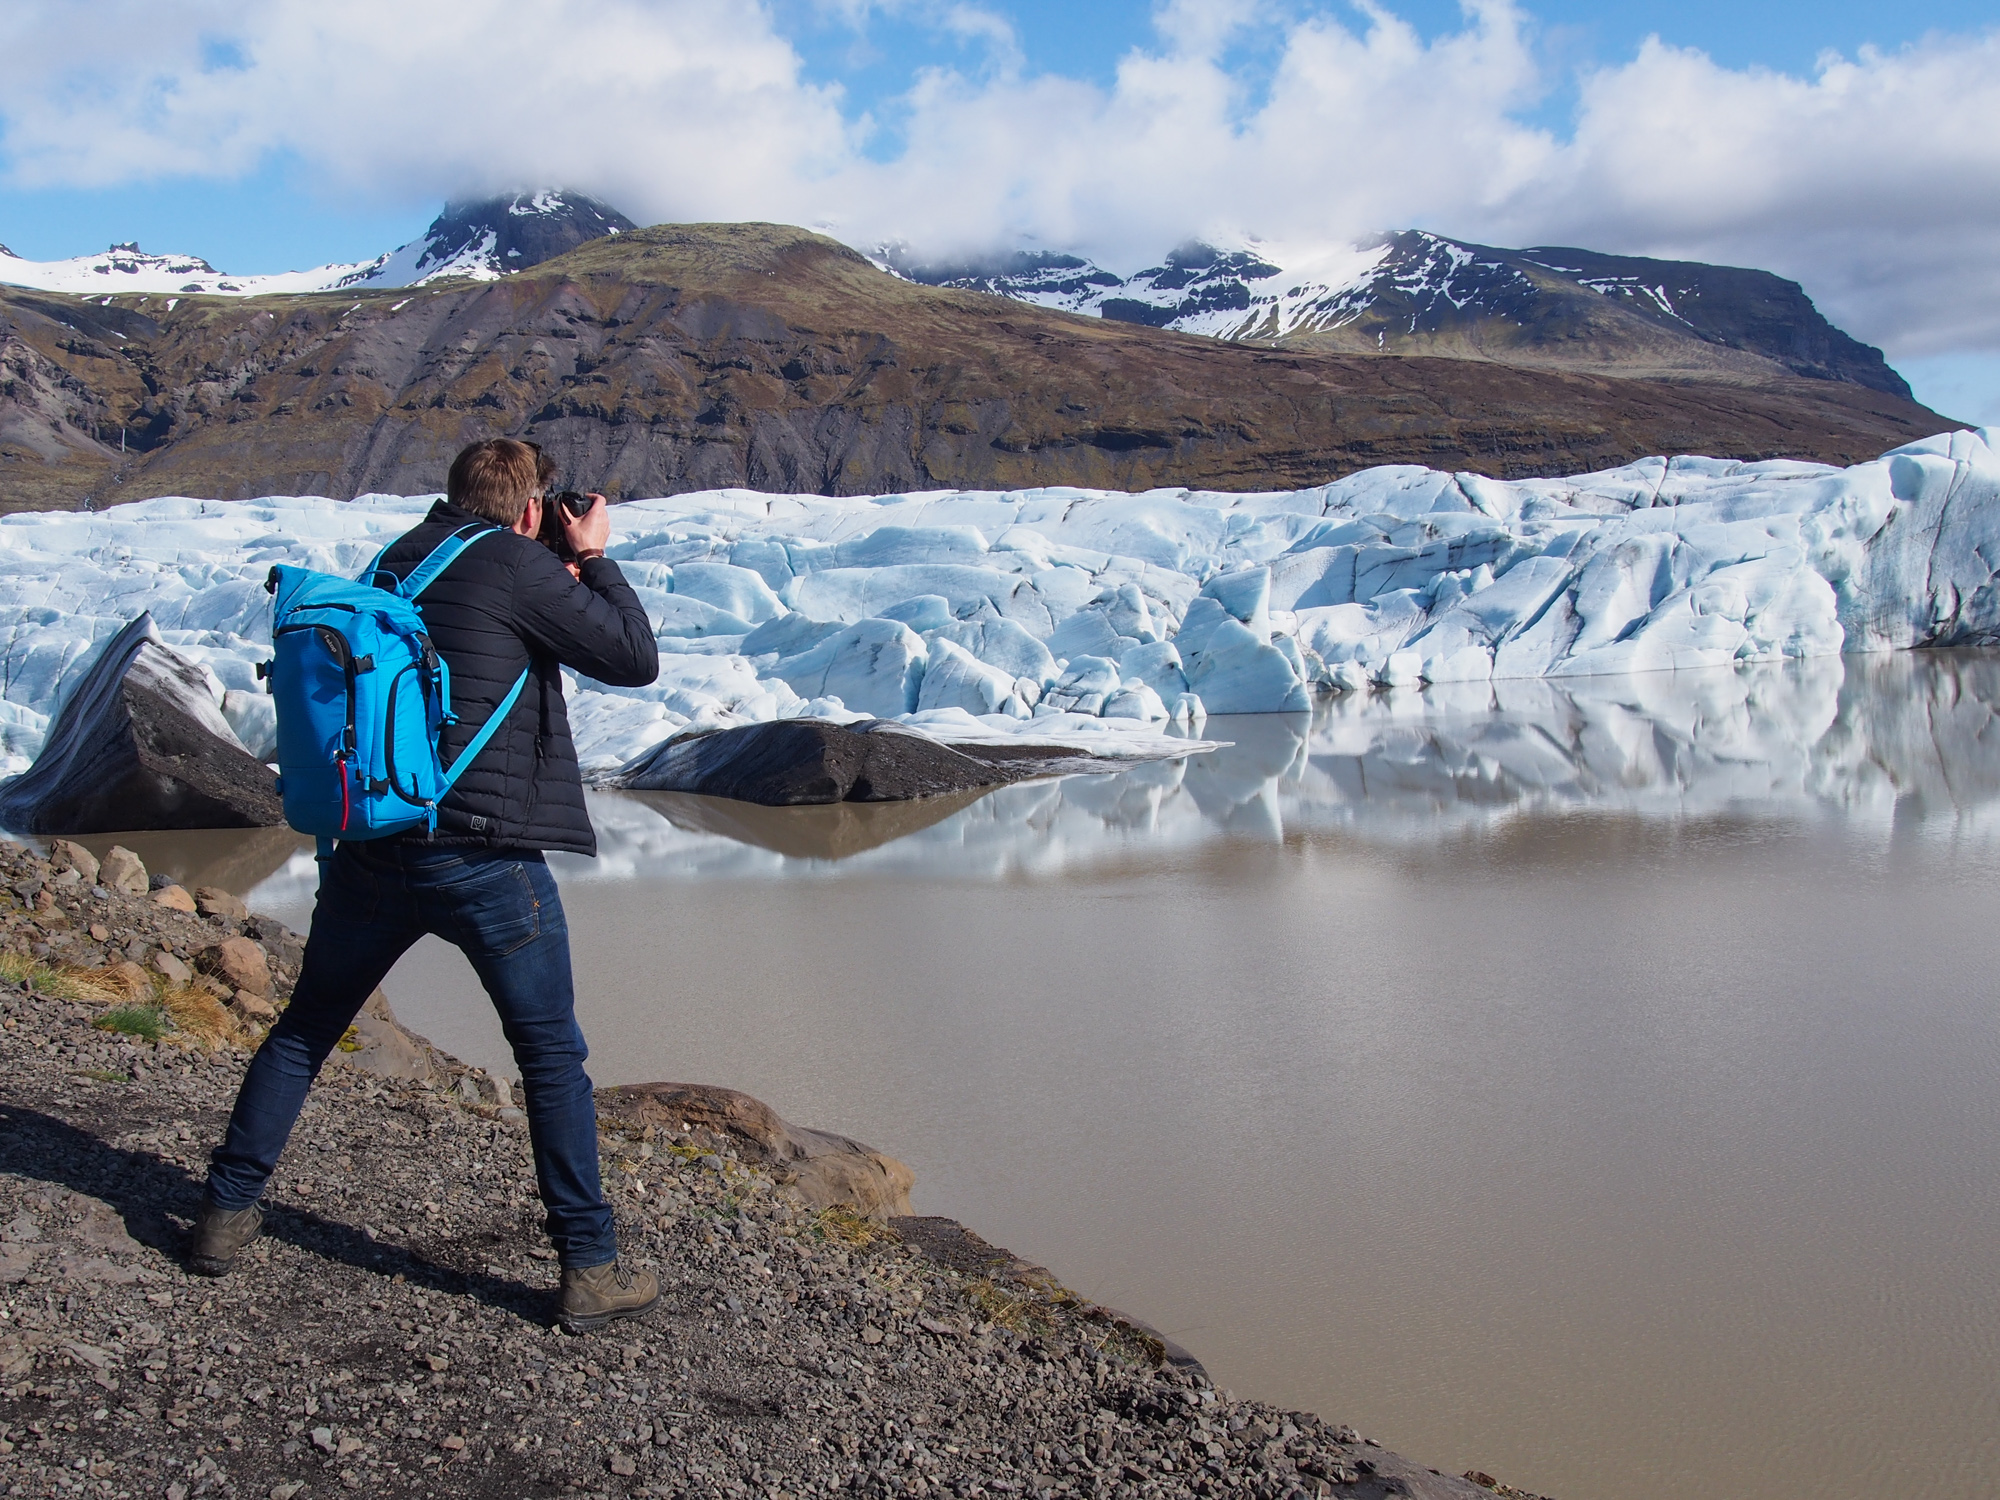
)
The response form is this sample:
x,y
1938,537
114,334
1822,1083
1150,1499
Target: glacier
x,y
1108,621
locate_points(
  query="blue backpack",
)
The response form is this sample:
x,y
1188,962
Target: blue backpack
x,y
362,697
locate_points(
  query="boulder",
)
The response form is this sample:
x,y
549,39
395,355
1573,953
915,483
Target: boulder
x,y
789,762
122,870
141,743
213,901
238,963
255,1007
174,971
384,1048
65,856
285,946
825,1171
174,898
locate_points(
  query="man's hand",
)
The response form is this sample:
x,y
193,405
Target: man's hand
x,y
591,531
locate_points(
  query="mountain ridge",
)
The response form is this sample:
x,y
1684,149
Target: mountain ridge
x,y
767,357
1412,292
1420,293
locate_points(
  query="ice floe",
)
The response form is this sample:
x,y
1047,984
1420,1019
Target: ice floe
x,y
1107,618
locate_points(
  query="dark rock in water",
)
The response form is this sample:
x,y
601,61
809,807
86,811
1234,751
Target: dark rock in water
x,y
790,762
140,744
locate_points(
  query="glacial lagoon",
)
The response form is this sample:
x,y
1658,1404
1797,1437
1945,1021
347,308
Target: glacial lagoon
x,y
1596,1083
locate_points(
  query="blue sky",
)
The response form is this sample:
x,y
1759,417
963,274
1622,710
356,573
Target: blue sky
x,y
281,216
1086,38
262,192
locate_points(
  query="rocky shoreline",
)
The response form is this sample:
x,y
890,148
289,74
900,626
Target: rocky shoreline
x,y
392,1333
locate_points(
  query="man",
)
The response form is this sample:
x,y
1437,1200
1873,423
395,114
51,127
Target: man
x,y
480,882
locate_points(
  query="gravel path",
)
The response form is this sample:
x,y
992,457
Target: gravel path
x,y
392,1333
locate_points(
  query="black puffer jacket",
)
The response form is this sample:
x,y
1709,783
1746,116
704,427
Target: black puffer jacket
x,y
506,603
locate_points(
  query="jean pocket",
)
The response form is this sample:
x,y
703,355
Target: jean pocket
x,y
498,910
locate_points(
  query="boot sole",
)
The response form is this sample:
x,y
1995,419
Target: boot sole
x,y
591,1322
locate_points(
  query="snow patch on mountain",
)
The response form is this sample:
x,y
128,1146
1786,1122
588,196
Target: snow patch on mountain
x,y
479,241
1254,291
126,269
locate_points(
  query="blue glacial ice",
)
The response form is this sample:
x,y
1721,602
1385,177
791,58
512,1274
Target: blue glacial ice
x,y
1113,619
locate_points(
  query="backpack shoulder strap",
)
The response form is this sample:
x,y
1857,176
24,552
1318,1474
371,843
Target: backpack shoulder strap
x,y
442,556
486,732
375,569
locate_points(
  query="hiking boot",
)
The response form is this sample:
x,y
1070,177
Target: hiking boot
x,y
595,1295
219,1234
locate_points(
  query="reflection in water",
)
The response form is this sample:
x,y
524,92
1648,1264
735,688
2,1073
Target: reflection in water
x,y
1905,743
1880,740
837,830
234,859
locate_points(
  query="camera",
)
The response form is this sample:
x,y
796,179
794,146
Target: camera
x,y
551,534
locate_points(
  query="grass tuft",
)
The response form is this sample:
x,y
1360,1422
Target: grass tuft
x,y
996,1306
201,1017
146,1006
147,1021
126,980
89,986
843,1226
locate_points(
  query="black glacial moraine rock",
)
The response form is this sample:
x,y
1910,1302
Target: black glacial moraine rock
x,y
797,762
140,744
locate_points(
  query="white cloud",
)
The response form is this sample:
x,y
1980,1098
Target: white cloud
x,y
1356,132
696,105
1875,181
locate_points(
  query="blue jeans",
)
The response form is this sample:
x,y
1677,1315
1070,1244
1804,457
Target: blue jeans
x,y
500,907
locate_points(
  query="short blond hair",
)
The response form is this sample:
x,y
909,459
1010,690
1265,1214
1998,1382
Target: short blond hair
x,y
493,479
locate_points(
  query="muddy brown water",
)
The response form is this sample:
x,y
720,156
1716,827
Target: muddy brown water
x,y
1598,1086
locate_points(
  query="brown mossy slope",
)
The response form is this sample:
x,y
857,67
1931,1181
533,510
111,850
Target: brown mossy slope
x,y
696,356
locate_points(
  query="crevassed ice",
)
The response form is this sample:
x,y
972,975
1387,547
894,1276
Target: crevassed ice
x,y
1105,618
